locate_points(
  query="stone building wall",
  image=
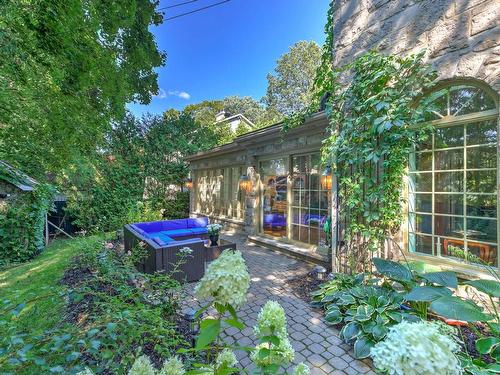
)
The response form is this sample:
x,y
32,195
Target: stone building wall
x,y
461,37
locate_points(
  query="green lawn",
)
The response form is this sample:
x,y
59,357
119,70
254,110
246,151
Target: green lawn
x,y
38,281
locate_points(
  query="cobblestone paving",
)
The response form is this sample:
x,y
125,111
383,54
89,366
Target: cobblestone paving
x,y
315,343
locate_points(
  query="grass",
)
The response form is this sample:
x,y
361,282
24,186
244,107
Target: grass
x,y
38,281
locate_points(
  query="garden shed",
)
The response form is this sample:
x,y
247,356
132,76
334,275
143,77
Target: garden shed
x,y
24,204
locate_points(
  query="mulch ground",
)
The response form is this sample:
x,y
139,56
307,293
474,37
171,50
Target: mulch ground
x,y
303,285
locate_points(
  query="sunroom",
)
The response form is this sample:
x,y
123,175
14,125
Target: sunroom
x,y
273,186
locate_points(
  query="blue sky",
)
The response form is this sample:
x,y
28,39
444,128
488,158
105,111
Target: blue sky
x,y
228,49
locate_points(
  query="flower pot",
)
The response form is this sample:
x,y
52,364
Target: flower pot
x,y
214,238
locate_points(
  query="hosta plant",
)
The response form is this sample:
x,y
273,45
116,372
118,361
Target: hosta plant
x,y
367,312
327,291
430,291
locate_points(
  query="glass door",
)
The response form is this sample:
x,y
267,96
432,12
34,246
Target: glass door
x,y
273,176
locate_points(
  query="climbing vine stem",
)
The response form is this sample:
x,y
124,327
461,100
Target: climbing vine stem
x,y
375,121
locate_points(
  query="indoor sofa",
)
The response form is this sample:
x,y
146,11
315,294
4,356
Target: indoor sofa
x,y
163,241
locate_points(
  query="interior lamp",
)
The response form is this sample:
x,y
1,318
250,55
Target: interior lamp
x,y
189,183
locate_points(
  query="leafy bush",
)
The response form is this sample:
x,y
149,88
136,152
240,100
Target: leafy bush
x,y
22,225
112,313
367,312
416,349
176,208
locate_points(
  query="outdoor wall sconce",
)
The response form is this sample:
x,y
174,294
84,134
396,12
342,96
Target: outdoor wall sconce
x,y
245,183
189,183
326,178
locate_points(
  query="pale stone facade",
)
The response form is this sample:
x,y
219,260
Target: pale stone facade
x,y
461,37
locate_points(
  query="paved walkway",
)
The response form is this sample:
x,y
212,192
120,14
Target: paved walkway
x,y
315,343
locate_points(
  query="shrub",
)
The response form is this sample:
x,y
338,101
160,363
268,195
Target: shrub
x,y
416,349
22,225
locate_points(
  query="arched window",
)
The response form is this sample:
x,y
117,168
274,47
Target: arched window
x,y
453,188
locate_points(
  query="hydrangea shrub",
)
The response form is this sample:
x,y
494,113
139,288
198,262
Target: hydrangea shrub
x,y
416,349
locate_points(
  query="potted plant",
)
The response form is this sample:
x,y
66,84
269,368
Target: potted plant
x,y
213,233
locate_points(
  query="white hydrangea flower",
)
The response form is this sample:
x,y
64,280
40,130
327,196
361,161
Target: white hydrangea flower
x,y
185,251
226,280
173,366
271,318
142,366
227,358
301,369
416,349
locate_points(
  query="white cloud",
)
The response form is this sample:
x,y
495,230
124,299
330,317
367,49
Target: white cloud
x,y
180,94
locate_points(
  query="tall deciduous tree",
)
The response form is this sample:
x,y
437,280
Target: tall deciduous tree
x,y
67,69
290,86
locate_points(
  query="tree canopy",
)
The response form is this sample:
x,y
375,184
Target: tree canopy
x,y
67,69
290,86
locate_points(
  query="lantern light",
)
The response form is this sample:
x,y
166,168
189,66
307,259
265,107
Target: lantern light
x,y
326,178
245,183
189,183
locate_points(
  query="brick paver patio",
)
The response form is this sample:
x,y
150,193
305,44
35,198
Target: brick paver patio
x,y
315,343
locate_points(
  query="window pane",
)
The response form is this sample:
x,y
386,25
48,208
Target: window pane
x,y
482,181
464,100
482,230
449,181
421,223
449,226
324,200
421,161
482,253
296,217
451,247
420,244
482,205
421,182
482,157
481,133
314,199
295,232
450,159
452,136
450,204
420,202
314,218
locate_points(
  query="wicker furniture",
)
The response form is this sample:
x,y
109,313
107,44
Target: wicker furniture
x,y
163,241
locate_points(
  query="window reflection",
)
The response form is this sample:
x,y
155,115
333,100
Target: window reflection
x,y
453,186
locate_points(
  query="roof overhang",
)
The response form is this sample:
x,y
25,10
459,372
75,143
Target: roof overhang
x,y
318,120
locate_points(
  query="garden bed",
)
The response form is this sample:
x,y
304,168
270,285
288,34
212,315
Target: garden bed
x,y
108,314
